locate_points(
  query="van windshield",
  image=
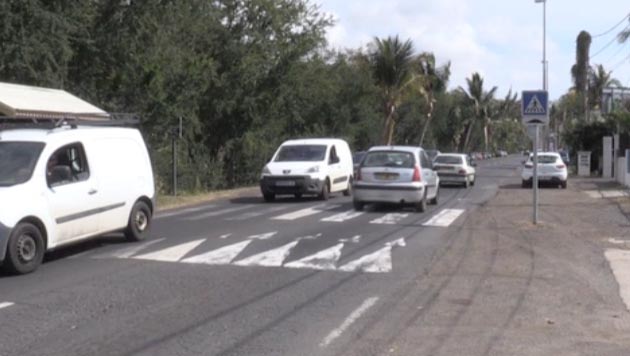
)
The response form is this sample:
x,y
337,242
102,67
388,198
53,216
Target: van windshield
x,y
301,153
17,161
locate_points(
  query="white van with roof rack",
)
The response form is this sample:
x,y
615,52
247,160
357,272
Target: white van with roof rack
x,y
61,184
308,166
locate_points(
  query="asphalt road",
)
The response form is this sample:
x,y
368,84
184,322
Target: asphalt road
x,y
293,277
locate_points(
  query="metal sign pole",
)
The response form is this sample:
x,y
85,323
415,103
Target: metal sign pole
x,y
535,176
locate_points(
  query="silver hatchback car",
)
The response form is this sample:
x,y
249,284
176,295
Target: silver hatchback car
x,y
396,175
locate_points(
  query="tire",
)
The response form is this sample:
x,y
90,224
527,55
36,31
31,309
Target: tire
x,y
325,193
421,206
358,206
348,192
296,195
434,201
139,222
25,249
269,197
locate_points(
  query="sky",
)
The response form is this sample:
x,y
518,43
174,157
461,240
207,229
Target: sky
x,y
500,39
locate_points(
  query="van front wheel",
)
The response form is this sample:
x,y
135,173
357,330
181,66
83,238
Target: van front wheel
x,y
25,251
139,222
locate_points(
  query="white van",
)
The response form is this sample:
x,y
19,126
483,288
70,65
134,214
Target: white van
x,y
65,184
308,166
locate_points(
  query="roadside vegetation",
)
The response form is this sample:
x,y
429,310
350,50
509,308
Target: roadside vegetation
x,y
244,76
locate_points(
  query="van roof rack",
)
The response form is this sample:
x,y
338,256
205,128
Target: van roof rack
x,y
43,122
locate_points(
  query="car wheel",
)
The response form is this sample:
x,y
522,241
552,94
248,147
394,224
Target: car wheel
x,y
25,250
325,193
358,206
269,197
421,206
296,195
564,185
348,192
139,222
434,201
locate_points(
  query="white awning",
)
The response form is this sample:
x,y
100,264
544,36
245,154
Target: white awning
x,y
36,102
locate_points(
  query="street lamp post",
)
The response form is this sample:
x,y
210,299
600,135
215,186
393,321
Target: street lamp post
x,y
544,84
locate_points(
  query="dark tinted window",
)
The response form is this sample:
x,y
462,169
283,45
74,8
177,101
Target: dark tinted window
x,y
301,153
449,159
17,161
67,165
395,159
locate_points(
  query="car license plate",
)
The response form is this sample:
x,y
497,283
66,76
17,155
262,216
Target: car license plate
x,y
386,176
285,183
544,178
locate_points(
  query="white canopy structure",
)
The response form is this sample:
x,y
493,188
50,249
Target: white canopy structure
x,y
23,101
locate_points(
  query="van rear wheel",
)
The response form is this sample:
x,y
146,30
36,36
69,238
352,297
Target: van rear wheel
x,y
139,222
325,193
25,250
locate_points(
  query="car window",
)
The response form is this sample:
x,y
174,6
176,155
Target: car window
x,y
425,161
17,161
545,159
301,153
449,159
67,165
395,159
333,156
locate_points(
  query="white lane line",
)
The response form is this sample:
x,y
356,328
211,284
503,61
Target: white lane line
x,y
219,212
341,217
6,305
271,258
389,219
593,193
322,260
619,261
367,304
444,218
220,256
376,262
255,214
184,211
305,212
171,254
128,251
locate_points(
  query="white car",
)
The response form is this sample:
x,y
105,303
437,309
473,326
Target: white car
x,y
551,169
455,168
396,175
308,166
66,184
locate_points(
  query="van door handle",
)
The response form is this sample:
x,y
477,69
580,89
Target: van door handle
x,y
92,191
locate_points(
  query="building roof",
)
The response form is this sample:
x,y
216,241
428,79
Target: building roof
x,y
36,102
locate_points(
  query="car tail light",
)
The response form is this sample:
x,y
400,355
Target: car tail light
x,y
462,171
416,175
560,166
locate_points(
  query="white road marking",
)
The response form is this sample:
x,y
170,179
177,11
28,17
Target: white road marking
x,y
305,212
355,239
367,304
389,219
184,211
219,212
264,236
254,214
341,217
128,251
221,256
225,236
444,218
171,254
271,258
614,193
619,261
6,305
376,262
593,193
322,260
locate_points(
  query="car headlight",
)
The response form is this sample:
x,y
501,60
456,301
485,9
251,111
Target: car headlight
x,y
266,170
314,169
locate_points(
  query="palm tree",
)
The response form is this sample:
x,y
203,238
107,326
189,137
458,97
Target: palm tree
x,y
599,79
580,70
480,100
391,61
431,81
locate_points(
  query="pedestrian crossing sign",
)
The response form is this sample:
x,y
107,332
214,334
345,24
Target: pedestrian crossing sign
x,y
534,107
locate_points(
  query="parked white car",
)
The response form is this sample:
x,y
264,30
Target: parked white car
x,y
308,166
455,168
551,169
66,184
396,174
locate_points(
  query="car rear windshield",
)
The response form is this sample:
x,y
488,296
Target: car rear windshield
x,y
449,160
17,161
301,153
395,159
544,159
